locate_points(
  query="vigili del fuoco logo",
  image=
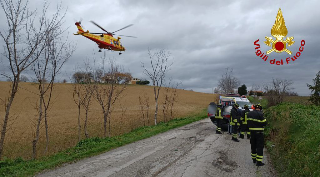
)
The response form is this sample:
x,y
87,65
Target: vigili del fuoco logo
x,y
279,45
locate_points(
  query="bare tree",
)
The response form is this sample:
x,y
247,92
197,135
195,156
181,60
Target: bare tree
x,y
144,108
83,90
228,82
165,104
216,90
277,90
157,74
22,42
78,100
107,95
123,114
89,88
174,97
56,52
82,77
170,98
98,75
86,101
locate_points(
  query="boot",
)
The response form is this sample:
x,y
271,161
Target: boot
x,y
248,136
254,160
242,136
235,139
259,163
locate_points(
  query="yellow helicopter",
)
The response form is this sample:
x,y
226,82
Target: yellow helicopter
x,y
104,40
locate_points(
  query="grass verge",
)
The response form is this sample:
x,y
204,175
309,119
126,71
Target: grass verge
x,y
293,139
255,100
90,147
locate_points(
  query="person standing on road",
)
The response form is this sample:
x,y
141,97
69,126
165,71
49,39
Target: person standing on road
x,y
235,119
219,118
256,124
243,123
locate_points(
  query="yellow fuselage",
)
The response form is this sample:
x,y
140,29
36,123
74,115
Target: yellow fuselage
x,y
104,41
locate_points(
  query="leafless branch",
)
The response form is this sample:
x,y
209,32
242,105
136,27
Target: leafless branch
x,y
24,42
277,90
228,82
157,72
107,94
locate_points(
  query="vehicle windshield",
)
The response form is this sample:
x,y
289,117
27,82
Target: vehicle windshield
x,y
242,103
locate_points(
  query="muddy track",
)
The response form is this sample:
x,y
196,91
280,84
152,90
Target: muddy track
x,y
192,150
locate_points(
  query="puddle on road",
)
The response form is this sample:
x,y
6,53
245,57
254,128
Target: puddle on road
x,y
224,163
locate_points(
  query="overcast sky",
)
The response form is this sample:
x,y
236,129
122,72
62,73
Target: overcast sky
x,y
204,38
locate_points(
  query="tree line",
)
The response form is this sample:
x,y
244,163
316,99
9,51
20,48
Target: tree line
x,y
275,91
99,76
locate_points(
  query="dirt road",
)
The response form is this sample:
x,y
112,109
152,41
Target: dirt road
x,y
193,150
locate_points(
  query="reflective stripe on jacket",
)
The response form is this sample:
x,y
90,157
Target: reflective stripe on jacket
x,y
218,114
245,118
234,117
256,121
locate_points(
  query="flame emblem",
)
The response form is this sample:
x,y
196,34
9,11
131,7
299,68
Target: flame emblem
x,y
279,31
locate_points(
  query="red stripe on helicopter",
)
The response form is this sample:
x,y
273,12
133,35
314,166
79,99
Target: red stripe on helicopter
x,y
105,45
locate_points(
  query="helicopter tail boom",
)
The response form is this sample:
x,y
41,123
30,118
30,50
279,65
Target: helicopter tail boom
x,y
80,29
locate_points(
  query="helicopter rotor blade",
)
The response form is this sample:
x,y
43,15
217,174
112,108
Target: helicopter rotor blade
x,y
99,26
128,36
122,28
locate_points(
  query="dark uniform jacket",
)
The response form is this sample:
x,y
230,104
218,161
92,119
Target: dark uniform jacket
x,y
235,117
243,116
256,121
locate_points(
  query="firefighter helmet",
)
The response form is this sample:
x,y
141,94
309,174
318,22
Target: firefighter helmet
x,y
258,106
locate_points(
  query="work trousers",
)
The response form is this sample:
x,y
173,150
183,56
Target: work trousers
x,y
235,130
257,144
212,119
219,122
244,129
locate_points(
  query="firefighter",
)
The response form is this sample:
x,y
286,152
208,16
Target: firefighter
x,y
235,119
243,123
256,123
219,118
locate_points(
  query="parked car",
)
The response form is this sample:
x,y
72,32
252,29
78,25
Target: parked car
x,y
227,103
226,110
